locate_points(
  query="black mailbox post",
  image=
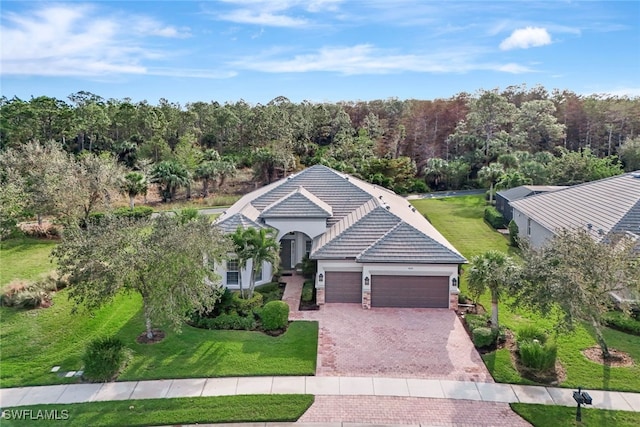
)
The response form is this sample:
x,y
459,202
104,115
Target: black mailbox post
x,y
581,398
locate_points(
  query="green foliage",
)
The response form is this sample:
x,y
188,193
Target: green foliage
x,y
275,315
513,233
270,292
246,306
179,411
226,322
483,337
308,291
187,214
31,294
622,322
530,333
138,212
104,359
538,356
573,167
493,217
630,154
309,267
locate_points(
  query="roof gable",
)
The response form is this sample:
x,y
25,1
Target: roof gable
x,y
231,224
298,203
355,233
405,244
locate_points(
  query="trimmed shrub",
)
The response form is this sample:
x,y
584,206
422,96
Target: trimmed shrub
x,y
476,321
307,292
463,299
483,337
536,355
309,267
187,214
137,212
245,307
622,322
493,217
228,321
530,333
270,292
275,315
513,233
103,359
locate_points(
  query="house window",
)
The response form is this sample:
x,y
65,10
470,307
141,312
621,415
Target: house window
x,y
307,247
528,226
257,275
233,272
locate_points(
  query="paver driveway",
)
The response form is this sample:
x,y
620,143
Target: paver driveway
x,y
391,342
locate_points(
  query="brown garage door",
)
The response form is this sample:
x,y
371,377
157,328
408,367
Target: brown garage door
x,y
410,291
343,287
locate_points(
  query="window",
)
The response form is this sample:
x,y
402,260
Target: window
x,y
233,272
528,226
257,275
307,247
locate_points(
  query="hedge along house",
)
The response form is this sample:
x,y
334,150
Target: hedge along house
x,y
372,247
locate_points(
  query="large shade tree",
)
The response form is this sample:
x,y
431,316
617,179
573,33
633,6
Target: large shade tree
x,y
494,271
164,260
574,275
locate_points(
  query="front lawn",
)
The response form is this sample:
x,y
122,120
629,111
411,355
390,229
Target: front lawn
x,y
190,410
33,341
550,416
460,220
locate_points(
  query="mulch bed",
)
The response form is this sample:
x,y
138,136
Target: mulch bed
x,y
618,359
158,336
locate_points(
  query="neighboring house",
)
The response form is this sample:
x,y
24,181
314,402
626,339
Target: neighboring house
x,y
604,207
504,197
371,245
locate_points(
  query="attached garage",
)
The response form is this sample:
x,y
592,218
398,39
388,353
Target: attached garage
x,y
410,291
342,286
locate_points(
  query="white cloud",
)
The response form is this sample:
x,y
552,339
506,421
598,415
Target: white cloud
x,y
525,38
244,16
275,13
80,40
366,59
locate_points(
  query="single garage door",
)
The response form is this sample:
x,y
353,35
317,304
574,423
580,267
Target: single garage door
x,y
410,291
343,286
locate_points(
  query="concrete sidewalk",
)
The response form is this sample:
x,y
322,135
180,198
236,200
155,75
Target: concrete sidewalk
x,y
319,386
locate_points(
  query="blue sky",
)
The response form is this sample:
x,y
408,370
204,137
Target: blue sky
x,y
316,50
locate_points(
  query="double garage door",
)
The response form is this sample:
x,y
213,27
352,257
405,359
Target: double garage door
x,y
389,291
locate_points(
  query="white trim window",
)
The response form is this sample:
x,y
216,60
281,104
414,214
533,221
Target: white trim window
x,y
307,247
233,272
528,226
257,275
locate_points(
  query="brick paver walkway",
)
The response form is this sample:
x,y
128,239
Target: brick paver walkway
x,y
410,410
292,294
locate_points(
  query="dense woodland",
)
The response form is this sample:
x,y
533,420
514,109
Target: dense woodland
x,y
492,138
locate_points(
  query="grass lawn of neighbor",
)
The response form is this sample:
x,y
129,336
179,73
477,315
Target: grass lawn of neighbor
x,y
551,416
191,410
460,220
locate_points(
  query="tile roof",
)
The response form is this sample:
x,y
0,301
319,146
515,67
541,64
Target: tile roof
x,y
604,206
405,244
229,225
299,203
357,214
522,191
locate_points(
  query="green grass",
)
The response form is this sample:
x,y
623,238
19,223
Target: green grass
x,y
551,416
459,219
192,410
36,340
24,258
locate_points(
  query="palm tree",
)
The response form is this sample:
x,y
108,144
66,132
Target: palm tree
x,y
490,175
241,253
262,246
134,185
493,270
435,171
206,172
169,175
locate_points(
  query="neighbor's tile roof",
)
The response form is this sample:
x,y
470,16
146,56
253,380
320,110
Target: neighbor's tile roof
x,y
522,191
300,203
360,214
405,244
602,207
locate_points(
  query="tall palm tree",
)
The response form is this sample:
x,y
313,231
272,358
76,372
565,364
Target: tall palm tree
x,y
262,247
490,174
207,172
135,184
495,271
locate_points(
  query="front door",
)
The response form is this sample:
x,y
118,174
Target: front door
x,y
285,254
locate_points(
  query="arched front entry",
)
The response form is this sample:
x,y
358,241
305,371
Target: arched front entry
x,y
293,247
